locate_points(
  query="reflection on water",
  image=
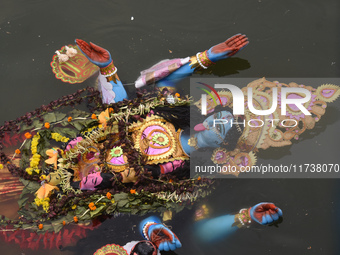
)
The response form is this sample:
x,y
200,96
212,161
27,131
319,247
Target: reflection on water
x,y
287,39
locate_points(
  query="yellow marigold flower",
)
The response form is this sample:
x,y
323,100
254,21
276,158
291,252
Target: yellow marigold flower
x,y
64,139
1,166
29,170
74,207
42,177
37,201
37,170
46,206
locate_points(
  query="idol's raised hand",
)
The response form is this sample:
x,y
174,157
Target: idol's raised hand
x,y
265,213
228,48
96,54
163,237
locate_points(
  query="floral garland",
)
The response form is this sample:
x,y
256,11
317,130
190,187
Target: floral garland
x,y
59,138
34,162
138,198
43,202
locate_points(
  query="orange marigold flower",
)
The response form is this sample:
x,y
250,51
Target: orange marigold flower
x,y
17,151
47,125
108,195
93,116
64,223
177,95
91,205
132,191
40,226
75,218
170,180
111,110
28,135
69,119
199,178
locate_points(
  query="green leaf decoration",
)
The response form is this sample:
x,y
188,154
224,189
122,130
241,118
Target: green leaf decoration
x,y
135,211
57,225
50,117
59,116
120,196
77,125
111,208
64,123
80,210
122,202
30,186
78,113
25,157
22,202
97,212
136,202
35,124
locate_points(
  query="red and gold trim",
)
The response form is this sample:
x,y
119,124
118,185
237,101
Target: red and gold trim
x,y
242,219
110,72
201,60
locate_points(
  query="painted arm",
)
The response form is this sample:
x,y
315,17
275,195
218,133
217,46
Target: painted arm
x,y
216,229
102,58
152,229
203,60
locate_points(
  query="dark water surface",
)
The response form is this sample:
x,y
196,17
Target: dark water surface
x,y
287,39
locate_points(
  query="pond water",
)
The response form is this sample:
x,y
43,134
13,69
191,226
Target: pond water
x,y
288,39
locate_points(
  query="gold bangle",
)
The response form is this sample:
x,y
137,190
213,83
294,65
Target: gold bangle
x,y
110,72
242,219
204,60
193,142
200,60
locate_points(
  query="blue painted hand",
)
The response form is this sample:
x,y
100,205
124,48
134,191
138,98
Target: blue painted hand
x,y
163,237
265,213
